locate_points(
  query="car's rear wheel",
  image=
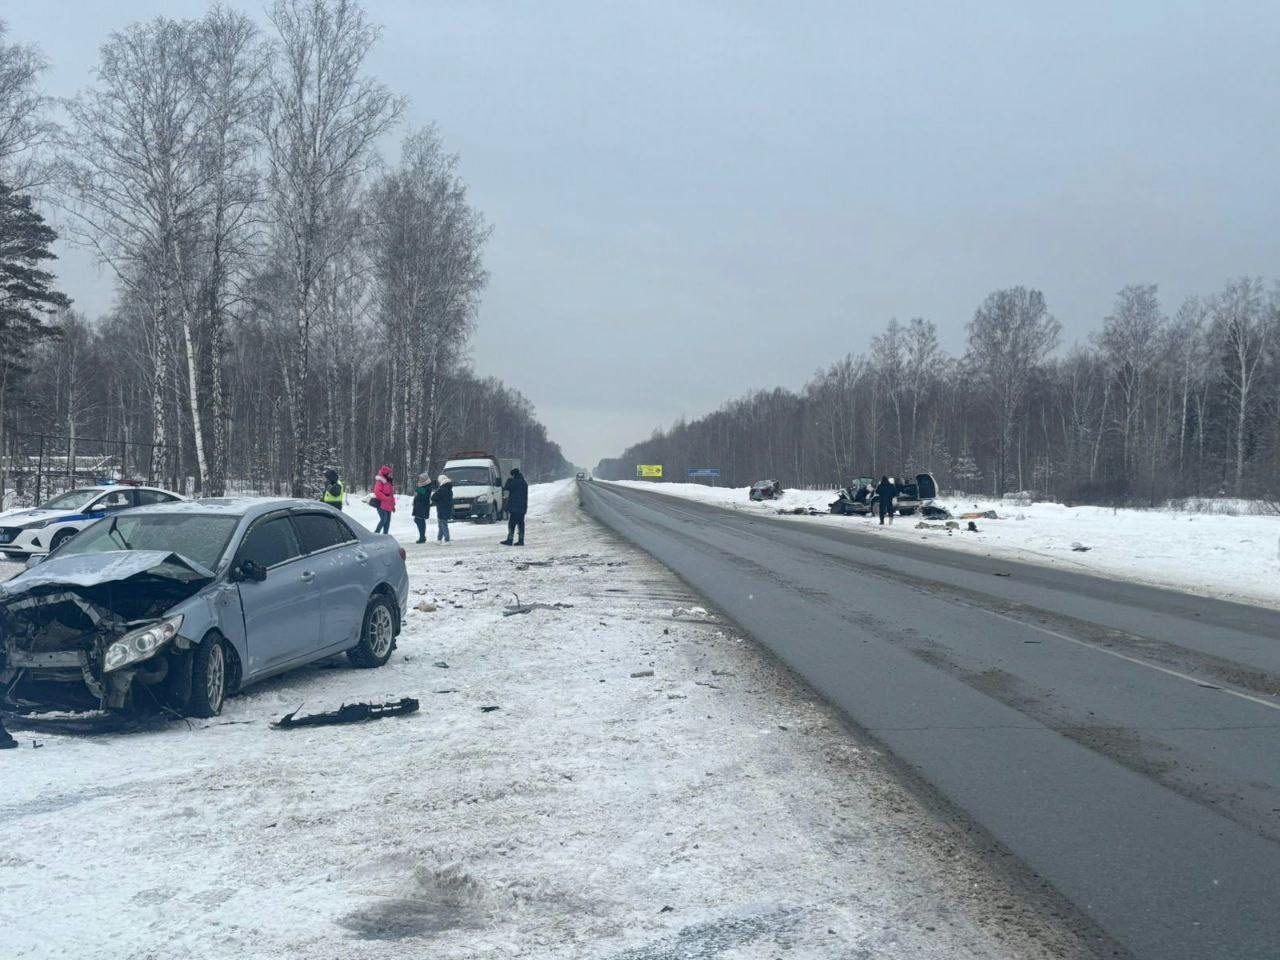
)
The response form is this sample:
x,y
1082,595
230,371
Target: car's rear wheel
x,y
61,537
209,672
377,634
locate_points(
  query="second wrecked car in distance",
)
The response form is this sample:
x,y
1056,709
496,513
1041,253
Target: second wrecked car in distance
x,y
765,490
181,604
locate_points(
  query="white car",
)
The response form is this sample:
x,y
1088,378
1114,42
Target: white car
x,y
36,532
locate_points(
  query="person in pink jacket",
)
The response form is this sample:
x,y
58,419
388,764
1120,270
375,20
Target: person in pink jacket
x,y
384,491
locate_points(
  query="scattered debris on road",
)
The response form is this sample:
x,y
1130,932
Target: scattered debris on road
x,y
425,607
1080,547
641,673
348,713
516,608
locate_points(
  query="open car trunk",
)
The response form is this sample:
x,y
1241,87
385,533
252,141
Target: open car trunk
x,y
58,619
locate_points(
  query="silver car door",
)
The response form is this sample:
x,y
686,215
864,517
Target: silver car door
x,y
334,552
282,614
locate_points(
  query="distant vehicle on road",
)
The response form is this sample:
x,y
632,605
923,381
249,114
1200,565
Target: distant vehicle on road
x,y
580,476
860,499
477,477
35,532
183,603
765,490
914,494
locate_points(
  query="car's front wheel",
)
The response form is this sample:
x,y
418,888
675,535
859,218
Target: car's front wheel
x,y
377,634
208,678
60,538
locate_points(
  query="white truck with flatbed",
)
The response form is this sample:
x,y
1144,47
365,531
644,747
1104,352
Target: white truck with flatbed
x,y
477,477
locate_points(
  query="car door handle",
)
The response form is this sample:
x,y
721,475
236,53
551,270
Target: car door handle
x,y
362,557
308,576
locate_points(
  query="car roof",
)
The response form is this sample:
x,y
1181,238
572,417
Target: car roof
x,y
232,506
118,486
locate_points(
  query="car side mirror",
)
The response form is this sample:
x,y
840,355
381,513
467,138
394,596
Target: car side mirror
x,y
249,571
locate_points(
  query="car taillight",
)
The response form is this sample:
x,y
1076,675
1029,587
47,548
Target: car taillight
x,y
403,555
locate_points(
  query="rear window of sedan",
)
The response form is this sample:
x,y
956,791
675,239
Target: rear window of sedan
x,y
319,531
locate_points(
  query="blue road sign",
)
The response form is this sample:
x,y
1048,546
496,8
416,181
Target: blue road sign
x,y
704,472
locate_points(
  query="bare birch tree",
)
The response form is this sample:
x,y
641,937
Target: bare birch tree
x,y
1242,327
134,178
321,127
25,125
1009,335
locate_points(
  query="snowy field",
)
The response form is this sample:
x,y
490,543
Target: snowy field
x,y
1212,554
649,787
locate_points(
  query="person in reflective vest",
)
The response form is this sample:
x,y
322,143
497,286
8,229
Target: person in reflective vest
x,y
335,493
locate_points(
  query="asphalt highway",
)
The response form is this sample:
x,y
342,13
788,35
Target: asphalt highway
x,y
1121,742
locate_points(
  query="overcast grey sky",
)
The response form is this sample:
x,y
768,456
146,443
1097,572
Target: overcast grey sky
x,y
693,199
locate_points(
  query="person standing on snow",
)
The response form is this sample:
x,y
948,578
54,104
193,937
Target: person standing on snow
x,y
443,499
517,498
384,493
886,491
335,493
422,505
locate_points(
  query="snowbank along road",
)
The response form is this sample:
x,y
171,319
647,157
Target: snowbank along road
x,y
1121,741
622,778
1235,557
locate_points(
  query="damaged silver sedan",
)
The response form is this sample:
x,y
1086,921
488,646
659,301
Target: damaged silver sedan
x,y
176,606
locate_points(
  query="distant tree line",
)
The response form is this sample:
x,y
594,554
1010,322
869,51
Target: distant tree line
x,y
286,302
1153,406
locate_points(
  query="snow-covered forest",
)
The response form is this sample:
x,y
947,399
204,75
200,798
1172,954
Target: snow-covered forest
x,y
288,298
1158,403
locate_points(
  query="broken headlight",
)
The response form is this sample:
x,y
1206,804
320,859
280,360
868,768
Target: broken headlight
x,y
140,644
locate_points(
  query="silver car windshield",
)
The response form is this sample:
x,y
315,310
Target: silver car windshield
x,y
199,537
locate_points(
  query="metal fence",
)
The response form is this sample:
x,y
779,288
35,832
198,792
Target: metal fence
x,y
37,466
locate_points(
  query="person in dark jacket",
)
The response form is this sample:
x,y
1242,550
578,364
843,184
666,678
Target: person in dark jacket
x,y
886,491
422,505
517,501
443,499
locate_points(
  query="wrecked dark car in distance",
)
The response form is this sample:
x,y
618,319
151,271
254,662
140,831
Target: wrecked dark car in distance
x,y
765,490
177,605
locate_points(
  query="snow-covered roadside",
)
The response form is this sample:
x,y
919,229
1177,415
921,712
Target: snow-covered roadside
x,y
1215,555
650,786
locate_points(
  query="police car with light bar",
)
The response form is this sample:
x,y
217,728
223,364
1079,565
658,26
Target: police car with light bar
x,y
36,532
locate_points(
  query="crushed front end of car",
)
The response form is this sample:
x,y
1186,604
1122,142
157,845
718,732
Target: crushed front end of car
x,y
91,632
